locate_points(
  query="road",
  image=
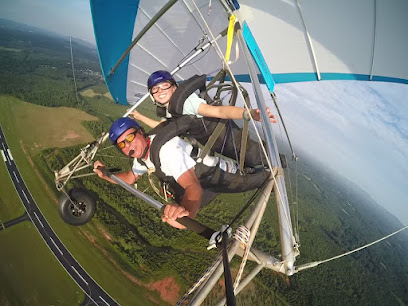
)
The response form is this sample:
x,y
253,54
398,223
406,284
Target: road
x,y
93,291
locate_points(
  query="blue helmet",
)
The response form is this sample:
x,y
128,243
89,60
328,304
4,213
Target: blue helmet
x,y
158,77
120,126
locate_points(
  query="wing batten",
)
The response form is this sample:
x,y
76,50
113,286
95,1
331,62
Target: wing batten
x,y
348,37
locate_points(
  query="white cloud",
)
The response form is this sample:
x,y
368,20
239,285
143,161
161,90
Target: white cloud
x,y
359,129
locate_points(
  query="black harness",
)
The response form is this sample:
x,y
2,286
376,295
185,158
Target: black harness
x,y
198,128
163,133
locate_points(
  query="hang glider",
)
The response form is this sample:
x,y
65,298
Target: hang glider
x,y
316,40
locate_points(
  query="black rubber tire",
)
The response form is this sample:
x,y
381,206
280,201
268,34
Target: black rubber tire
x,y
78,210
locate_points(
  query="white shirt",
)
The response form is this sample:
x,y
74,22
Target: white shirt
x,y
175,159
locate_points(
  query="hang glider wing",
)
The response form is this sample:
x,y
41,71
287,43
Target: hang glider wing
x,y
331,40
301,41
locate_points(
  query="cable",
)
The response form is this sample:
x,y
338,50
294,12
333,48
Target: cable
x,y
73,69
316,263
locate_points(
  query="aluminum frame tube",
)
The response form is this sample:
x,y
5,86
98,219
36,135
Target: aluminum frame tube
x,y
285,224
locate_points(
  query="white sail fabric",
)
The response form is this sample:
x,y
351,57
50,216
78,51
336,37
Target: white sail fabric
x,y
172,37
363,40
300,40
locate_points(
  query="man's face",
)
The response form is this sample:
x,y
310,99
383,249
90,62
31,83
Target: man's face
x,y
132,140
163,91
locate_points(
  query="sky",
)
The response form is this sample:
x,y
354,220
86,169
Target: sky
x,y
63,17
358,129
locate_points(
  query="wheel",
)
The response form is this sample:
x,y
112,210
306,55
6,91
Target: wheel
x,y
78,209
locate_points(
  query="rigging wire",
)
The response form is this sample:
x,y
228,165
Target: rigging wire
x,y
72,65
293,195
165,35
297,204
192,51
242,235
273,96
195,19
316,263
234,81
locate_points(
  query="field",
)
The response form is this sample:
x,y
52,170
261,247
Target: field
x,y
25,139
10,205
90,93
29,261
39,127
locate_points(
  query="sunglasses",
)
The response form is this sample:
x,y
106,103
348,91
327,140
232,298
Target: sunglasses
x,y
128,139
162,86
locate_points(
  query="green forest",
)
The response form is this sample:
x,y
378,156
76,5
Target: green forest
x,y
334,216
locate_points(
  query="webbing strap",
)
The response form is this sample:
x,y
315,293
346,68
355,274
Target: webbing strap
x,y
213,138
229,287
244,141
230,36
222,123
244,137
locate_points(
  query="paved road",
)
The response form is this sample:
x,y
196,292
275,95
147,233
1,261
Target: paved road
x,y
92,290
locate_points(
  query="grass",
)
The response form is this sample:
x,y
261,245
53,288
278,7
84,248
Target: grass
x,y
40,127
85,243
29,272
91,93
10,49
10,204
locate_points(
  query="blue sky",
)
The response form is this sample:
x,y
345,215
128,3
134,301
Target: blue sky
x,y
355,128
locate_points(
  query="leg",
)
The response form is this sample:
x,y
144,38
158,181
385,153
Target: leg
x,y
230,145
219,181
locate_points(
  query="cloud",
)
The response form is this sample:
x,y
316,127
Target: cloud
x,y
358,129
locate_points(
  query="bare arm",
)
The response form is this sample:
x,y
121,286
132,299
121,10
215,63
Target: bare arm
x,y
146,120
127,177
190,203
231,112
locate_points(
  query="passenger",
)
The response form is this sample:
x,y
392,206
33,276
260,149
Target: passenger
x,y
162,87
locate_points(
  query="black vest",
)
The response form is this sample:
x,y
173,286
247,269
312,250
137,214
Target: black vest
x,y
198,128
163,133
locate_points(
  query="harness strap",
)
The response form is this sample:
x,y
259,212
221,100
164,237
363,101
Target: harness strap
x,y
222,123
244,137
172,128
212,139
183,91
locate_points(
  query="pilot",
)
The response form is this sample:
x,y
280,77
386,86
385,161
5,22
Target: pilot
x,y
193,184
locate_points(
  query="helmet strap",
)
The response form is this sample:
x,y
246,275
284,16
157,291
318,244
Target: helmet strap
x,y
147,148
165,105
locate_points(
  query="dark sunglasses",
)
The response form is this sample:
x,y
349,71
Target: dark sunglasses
x,y
128,139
